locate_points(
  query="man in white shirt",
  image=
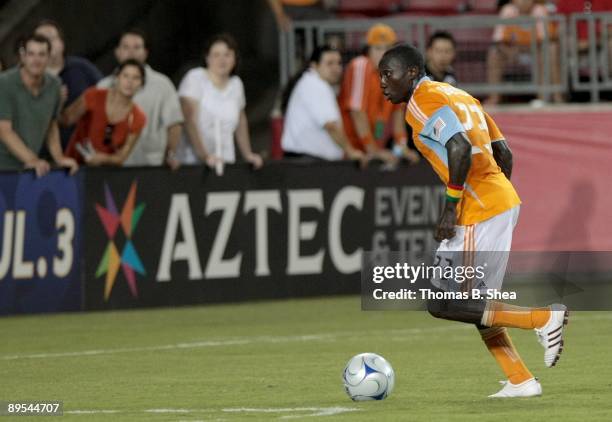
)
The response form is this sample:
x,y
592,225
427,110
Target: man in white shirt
x,y
313,124
159,100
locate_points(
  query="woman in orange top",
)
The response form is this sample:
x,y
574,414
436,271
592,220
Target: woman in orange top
x,y
108,121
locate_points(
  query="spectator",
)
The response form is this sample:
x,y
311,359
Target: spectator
x,y
109,122
76,73
512,45
439,57
29,106
365,113
313,125
159,101
569,7
213,104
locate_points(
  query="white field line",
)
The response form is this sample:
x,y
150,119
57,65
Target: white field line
x,y
230,342
297,412
89,412
263,340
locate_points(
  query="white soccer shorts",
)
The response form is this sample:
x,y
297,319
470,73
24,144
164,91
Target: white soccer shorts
x,y
485,245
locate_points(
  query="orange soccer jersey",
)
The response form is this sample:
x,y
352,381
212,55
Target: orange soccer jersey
x,y
361,90
437,111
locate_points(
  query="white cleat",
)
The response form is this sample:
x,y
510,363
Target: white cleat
x,y
529,388
550,336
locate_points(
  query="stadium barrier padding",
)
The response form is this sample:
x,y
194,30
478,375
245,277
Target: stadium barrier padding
x,y
128,238
151,237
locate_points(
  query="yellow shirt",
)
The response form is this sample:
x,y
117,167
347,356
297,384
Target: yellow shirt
x,y
437,111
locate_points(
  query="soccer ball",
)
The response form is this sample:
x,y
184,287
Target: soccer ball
x,y
368,376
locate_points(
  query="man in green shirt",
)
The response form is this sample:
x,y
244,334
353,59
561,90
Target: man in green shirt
x,y
29,105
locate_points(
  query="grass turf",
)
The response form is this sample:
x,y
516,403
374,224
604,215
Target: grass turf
x,y
283,359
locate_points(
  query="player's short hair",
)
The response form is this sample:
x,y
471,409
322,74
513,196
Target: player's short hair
x,y
407,55
135,63
228,40
137,32
34,38
441,35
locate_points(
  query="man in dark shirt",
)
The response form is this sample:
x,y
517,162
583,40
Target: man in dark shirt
x,y
440,55
76,73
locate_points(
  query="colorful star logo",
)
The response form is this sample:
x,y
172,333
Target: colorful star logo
x,y
129,260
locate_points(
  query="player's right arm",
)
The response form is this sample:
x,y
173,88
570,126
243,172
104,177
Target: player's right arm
x,y
431,117
459,152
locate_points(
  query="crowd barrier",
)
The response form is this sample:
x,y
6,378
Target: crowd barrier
x,y
127,238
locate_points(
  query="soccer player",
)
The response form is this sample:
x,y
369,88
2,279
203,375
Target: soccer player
x,y
469,153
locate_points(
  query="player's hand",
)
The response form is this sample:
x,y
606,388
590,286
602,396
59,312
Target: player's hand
x,y
446,225
68,163
40,167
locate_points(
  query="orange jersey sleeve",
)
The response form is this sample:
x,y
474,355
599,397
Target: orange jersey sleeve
x,y
436,112
494,132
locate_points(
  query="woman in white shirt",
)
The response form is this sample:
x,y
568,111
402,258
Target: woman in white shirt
x,y
313,125
213,101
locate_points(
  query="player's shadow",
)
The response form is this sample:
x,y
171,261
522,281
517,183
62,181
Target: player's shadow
x,y
572,225
571,235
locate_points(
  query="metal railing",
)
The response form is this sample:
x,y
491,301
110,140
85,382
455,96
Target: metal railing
x,y
588,70
590,65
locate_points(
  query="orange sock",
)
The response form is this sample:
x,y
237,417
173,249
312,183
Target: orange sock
x,y
498,314
499,344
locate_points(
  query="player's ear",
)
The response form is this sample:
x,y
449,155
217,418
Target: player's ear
x,y
413,72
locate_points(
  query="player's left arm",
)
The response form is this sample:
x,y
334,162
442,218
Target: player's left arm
x,y
503,156
501,151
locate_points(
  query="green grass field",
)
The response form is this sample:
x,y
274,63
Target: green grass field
x,y
283,360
